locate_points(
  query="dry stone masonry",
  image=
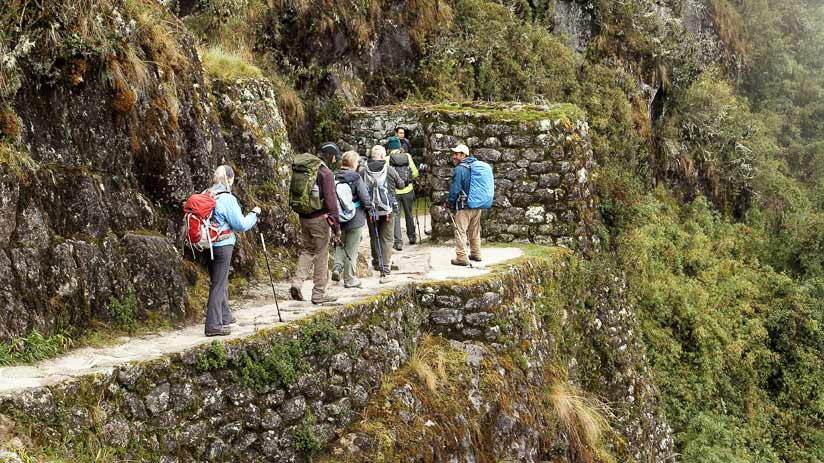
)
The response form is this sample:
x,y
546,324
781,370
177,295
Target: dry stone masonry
x,y
286,394
541,157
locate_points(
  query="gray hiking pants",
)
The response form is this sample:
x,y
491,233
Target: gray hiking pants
x,y
406,202
350,243
217,309
386,237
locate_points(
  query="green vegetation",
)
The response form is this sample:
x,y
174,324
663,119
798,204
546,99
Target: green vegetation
x,y
123,312
278,364
213,358
305,439
736,344
33,348
490,54
223,65
527,113
15,161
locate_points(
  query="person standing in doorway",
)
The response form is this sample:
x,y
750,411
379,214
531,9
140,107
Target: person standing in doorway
x,y
472,190
229,216
406,145
405,167
312,196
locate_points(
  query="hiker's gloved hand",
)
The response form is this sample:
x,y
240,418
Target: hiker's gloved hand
x,y
256,210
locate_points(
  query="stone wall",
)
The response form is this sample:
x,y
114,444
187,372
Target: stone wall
x,y
541,157
92,189
286,394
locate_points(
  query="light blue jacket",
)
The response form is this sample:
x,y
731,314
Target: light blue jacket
x,y
229,216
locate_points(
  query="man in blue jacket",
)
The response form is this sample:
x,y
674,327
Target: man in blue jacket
x,y
472,190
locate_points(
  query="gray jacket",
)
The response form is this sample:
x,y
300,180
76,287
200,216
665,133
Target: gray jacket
x,y
393,180
359,194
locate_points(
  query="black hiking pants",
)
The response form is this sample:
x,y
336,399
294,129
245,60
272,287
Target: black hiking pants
x,y
406,202
217,309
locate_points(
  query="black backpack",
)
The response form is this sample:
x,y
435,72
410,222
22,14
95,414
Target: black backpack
x,y
400,161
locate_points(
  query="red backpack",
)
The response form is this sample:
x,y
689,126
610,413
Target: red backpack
x,y
201,229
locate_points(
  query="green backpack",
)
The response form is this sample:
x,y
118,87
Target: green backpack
x,y
304,195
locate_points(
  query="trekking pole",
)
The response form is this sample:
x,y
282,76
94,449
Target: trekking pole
x,y
427,207
271,281
417,220
378,242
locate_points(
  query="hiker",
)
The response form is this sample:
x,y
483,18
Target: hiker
x,y
472,190
408,172
406,146
381,182
228,216
354,205
312,196
327,151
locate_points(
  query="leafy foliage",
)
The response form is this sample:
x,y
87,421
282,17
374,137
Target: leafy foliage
x,y
123,312
281,363
491,55
736,344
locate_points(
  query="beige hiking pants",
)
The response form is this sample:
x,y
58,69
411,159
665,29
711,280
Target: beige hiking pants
x,y
314,255
467,225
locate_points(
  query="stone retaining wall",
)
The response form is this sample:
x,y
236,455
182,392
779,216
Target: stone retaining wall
x,y
286,393
541,157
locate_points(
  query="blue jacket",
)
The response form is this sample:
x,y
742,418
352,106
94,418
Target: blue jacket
x,y
230,217
480,187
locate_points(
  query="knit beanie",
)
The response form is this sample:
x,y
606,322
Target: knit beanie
x,y
394,143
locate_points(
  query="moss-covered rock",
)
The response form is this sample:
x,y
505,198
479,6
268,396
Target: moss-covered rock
x,y
114,127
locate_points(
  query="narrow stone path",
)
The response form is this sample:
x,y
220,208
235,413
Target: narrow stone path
x,y
257,311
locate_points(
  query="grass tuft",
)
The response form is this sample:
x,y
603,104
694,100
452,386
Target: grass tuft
x,y
225,65
582,418
33,348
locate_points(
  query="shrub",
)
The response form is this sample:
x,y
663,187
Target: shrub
x,y
123,312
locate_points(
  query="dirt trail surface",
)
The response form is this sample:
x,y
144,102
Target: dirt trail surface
x,y
417,264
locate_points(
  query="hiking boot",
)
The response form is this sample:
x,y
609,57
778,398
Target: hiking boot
x,y
398,247
296,294
223,331
355,283
336,273
413,240
475,258
324,300
461,263
394,267
231,322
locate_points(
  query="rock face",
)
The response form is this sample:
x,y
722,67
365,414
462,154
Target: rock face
x,y
541,158
282,394
97,215
574,20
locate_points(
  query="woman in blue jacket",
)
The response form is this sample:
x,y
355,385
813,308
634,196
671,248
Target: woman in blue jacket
x,y
229,216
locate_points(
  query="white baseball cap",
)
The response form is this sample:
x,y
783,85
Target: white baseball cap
x,y
461,149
